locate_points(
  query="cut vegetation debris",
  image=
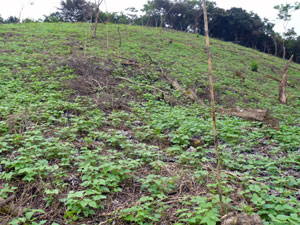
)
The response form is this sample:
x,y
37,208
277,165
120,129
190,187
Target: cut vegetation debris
x,y
94,132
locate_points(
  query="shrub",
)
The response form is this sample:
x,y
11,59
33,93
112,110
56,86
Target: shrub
x,y
254,66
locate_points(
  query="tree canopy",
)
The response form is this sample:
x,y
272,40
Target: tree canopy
x,y
76,10
235,24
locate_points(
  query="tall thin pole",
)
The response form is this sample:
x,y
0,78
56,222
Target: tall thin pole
x,y
212,102
97,4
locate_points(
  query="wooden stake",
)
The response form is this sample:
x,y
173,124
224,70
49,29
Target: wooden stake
x,y
282,87
212,101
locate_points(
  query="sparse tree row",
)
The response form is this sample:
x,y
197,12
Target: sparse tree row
x,y
235,25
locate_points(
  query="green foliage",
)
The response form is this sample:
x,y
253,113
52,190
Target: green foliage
x,y
29,218
68,148
82,202
158,185
12,19
53,18
28,20
285,10
4,191
254,66
76,10
145,212
200,211
276,210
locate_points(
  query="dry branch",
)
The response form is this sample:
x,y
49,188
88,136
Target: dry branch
x,y
282,87
150,58
131,64
188,93
278,80
6,201
261,115
6,207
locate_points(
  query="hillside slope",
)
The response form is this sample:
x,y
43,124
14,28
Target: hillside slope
x,y
92,132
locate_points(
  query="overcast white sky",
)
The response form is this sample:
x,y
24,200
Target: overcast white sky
x,y
264,8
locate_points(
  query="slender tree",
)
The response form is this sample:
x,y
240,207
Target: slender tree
x,y
212,101
284,14
97,6
24,4
275,36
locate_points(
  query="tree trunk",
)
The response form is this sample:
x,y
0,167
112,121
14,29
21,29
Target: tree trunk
x,y
283,49
275,46
196,24
282,87
212,102
96,22
20,14
197,17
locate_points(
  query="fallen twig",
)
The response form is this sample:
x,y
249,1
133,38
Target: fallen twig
x,y
7,208
131,64
189,93
6,201
119,56
150,58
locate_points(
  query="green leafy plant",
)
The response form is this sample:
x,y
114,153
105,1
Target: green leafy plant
x,y
202,212
78,202
158,185
144,212
254,66
29,218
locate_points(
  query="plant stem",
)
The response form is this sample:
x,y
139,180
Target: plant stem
x,y
212,102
